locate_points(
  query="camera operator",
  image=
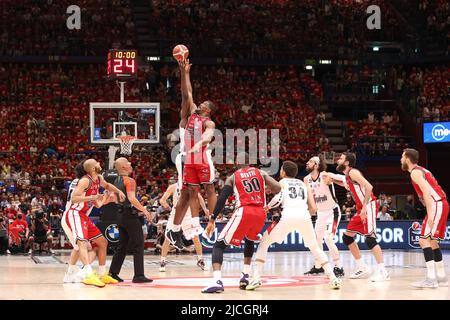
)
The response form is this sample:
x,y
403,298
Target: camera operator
x,y
40,231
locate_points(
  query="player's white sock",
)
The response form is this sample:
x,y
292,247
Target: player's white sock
x,y
440,269
199,257
359,264
381,266
176,227
163,259
258,270
102,270
217,275
431,269
246,269
87,270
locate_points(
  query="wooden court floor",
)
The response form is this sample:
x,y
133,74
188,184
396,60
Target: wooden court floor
x,y
40,277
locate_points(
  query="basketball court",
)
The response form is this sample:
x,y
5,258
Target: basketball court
x,y
40,277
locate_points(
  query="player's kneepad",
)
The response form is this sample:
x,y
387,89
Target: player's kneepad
x,y
371,242
348,240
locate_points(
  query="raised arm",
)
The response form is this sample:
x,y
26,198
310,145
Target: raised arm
x,y
187,102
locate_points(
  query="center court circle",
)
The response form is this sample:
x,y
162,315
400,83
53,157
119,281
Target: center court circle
x,y
228,282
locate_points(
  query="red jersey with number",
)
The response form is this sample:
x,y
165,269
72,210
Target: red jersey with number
x,y
249,187
194,130
357,191
436,191
93,189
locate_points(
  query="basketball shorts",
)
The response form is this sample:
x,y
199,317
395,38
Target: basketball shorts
x,y
327,223
440,214
368,227
190,225
246,222
292,220
199,173
78,226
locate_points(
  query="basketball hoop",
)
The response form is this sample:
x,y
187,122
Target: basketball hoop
x,y
126,144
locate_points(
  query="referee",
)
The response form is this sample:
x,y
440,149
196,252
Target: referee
x,y
130,225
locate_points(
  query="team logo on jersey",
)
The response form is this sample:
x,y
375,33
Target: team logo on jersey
x,y
112,233
414,235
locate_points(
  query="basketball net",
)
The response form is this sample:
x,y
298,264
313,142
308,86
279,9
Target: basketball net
x,y
126,144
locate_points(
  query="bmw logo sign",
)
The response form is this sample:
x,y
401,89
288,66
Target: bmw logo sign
x,y
112,233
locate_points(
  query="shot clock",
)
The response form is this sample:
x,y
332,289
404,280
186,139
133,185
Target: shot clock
x,y
122,63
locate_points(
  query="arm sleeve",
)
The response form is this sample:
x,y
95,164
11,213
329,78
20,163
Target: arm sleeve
x,y
130,184
224,194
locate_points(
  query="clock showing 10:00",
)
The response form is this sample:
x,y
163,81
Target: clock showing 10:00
x,y
122,63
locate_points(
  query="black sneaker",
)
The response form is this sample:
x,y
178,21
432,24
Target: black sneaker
x,y
115,276
338,272
314,271
141,279
175,239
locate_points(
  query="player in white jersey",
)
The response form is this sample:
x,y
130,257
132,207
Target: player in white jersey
x,y
190,224
328,213
296,198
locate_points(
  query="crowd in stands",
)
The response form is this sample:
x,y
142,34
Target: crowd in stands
x,y
426,92
39,28
379,136
314,26
437,13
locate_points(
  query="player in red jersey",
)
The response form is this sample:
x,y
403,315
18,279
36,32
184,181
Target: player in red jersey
x,y
81,229
364,221
198,167
247,221
435,223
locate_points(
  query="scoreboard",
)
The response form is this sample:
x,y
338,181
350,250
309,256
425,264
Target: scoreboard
x,y
122,63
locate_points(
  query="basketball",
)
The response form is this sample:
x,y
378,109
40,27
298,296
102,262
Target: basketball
x,y
180,52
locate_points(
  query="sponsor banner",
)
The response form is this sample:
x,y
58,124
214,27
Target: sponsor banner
x,y
390,235
436,132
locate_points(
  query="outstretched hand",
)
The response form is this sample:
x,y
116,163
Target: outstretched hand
x,y
185,65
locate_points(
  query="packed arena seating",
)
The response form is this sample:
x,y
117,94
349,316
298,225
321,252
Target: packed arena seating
x,y
213,31
426,91
39,28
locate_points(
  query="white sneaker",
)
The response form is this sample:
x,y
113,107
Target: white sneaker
x,y
254,283
30,251
335,283
380,276
73,277
8,252
427,283
442,282
360,273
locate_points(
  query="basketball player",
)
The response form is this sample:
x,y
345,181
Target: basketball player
x,y
364,221
73,274
435,223
79,227
191,226
295,197
248,185
328,213
198,168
